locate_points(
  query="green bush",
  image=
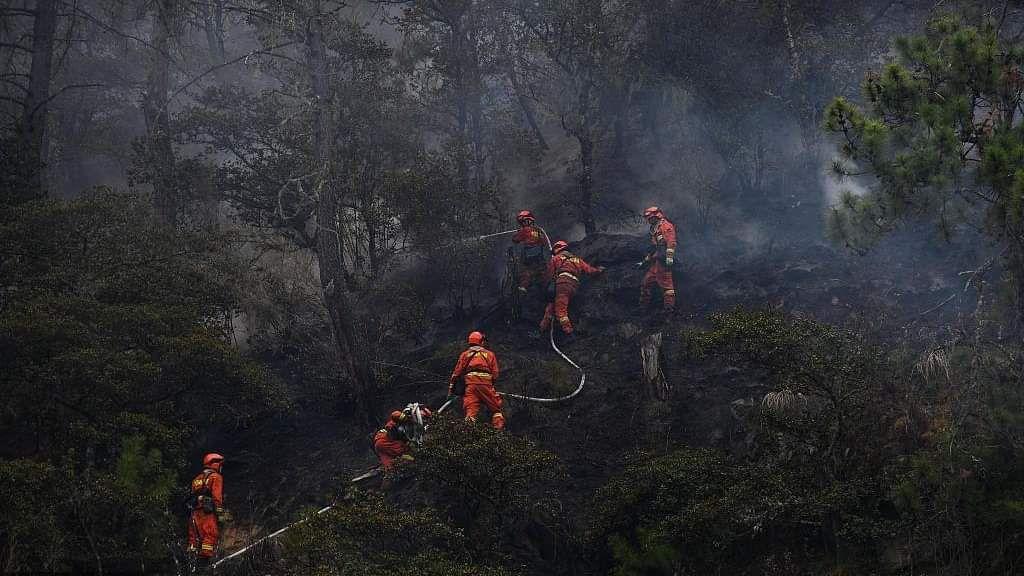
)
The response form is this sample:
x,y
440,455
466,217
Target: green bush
x,y
495,485
367,536
116,355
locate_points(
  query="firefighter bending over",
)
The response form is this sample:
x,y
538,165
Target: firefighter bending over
x,y
207,505
473,379
391,442
563,273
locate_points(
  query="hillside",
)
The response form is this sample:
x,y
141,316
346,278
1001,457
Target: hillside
x,y
714,399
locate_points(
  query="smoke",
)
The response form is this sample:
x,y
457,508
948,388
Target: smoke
x,y
833,187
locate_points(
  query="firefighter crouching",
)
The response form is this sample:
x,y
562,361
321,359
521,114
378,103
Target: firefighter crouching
x,y
391,443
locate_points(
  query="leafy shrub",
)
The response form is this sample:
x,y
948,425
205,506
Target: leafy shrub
x,y
493,484
367,536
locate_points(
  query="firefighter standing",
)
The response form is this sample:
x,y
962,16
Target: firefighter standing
x,y
564,271
659,260
533,242
391,442
477,369
207,504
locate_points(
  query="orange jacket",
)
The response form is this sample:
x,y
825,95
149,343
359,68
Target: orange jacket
x,y
209,484
478,364
663,238
533,243
529,236
567,266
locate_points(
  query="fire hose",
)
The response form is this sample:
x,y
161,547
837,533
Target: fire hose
x,y
551,338
418,418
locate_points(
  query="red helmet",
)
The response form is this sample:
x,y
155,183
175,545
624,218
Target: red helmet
x,y
476,338
525,215
213,460
397,415
653,212
559,246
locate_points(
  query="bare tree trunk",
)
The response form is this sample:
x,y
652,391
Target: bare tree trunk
x,y
213,26
330,247
586,184
524,103
1016,264
34,117
154,107
810,132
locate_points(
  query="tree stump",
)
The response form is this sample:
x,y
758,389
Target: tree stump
x,y
650,356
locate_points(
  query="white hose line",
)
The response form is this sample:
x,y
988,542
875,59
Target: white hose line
x,y
551,336
269,537
546,237
583,379
486,236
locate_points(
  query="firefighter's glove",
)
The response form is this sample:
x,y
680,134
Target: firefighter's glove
x,y
225,517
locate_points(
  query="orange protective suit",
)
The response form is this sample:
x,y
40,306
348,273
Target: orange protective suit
x,y
663,241
478,367
531,267
203,529
389,443
565,270
392,442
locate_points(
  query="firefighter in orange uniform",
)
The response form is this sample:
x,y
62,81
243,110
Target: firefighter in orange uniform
x,y
207,504
659,260
392,441
533,243
564,271
477,369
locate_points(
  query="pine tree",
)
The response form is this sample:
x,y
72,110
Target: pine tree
x,y
940,138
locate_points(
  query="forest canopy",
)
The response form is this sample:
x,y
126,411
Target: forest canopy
x,y
256,230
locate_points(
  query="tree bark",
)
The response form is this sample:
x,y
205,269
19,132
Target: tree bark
x,y
586,184
160,152
212,15
810,132
524,103
329,241
36,102
1016,264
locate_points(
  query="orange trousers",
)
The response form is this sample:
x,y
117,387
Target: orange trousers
x,y
203,533
659,274
477,394
388,450
564,291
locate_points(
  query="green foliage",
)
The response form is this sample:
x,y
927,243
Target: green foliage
x,y
845,385
696,511
876,447
368,536
941,138
31,531
492,482
115,353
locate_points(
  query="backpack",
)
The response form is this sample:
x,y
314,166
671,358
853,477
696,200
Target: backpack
x,y
202,499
